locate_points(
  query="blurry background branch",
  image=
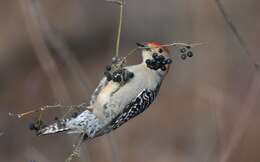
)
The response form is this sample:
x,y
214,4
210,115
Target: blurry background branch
x,y
241,123
237,34
60,47
42,52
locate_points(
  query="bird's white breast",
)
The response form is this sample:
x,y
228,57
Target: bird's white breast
x,y
116,98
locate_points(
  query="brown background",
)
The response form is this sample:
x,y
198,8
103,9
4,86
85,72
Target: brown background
x,y
208,107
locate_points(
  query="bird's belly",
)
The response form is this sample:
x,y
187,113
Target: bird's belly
x,y
104,97
106,93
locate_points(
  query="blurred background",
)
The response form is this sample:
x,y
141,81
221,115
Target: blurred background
x,y
55,51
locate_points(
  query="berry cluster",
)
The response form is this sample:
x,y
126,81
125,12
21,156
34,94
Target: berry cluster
x,y
185,52
158,62
117,73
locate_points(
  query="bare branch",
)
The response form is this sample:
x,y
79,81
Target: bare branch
x,y
235,32
48,107
121,4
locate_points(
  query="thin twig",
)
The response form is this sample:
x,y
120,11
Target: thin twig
x,y
235,31
76,151
119,30
121,4
191,45
183,44
48,107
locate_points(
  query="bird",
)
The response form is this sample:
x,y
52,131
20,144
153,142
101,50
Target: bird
x,y
112,103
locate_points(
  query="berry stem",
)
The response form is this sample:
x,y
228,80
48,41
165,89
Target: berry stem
x,y
121,4
119,28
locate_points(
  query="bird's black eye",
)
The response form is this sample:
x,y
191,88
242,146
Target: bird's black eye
x,y
160,50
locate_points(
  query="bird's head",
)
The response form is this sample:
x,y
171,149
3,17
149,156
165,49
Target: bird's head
x,y
155,56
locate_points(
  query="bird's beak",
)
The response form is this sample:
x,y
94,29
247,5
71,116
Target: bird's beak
x,y
140,44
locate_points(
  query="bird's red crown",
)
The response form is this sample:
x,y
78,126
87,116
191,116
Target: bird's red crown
x,y
158,45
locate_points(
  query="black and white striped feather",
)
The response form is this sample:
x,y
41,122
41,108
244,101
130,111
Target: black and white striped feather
x,y
135,107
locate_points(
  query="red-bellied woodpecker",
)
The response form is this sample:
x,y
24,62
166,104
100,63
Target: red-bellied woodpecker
x,y
113,103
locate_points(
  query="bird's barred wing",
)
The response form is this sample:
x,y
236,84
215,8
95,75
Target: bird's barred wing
x,y
100,86
135,107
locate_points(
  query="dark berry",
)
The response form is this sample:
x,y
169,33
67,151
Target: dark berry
x,y
108,68
156,67
117,78
163,68
130,75
109,78
74,115
183,50
158,63
161,58
188,47
155,55
183,56
189,54
160,50
114,59
148,61
169,61
153,62
108,75
164,62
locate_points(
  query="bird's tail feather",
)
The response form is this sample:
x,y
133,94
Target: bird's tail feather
x,y
57,127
